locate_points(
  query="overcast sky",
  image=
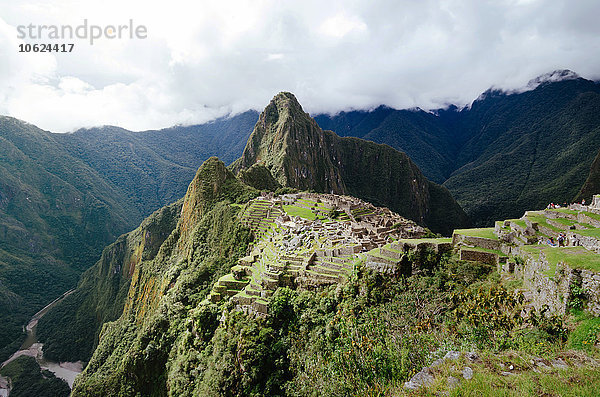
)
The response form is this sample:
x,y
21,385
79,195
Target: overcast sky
x,y
204,59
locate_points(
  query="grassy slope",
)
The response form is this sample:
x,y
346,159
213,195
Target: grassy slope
x,y
481,232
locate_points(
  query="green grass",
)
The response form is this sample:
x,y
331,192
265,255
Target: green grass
x,y
590,233
578,382
293,210
592,215
565,211
486,232
586,334
574,257
523,380
513,284
229,277
519,222
565,221
375,252
543,221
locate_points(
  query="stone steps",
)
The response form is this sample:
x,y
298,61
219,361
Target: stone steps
x,y
322,277
324,270
331,265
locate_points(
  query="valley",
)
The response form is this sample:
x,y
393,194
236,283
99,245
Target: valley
x,y
312,253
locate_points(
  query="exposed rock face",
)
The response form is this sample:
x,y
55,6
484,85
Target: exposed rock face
x,y
299,154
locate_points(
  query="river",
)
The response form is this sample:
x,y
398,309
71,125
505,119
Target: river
x,y
31,347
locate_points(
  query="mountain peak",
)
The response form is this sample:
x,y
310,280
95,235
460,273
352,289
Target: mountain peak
x,y
283,106
290,144
213,182
288,148
552,77
285,97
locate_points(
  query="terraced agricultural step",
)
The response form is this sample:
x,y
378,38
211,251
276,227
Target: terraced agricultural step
x,y
322,277
285,267
254,286
375,257
260,306
269,283
252,291
214,297
219,288
325,270
242,299
271,274
330,265
391,253
231,292
233,284
491,258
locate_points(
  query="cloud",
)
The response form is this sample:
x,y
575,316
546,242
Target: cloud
x,y
205,59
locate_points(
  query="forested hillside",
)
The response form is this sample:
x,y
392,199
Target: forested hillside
x,y
155,167
506,153
56,214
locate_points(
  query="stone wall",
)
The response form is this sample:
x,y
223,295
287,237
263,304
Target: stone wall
x,y
546,291
484,257
589,243
590,282
475,241
583,218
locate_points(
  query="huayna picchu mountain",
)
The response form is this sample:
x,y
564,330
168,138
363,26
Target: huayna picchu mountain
x,y
299,154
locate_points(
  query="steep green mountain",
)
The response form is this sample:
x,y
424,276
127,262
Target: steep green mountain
x,y
56,214
592,183
102,289
63,197
527,149
506,153
141,351
155,167
429,143
299,154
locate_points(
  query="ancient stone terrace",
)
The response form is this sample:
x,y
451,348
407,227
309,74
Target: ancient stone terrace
x,y
309,240
528,249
